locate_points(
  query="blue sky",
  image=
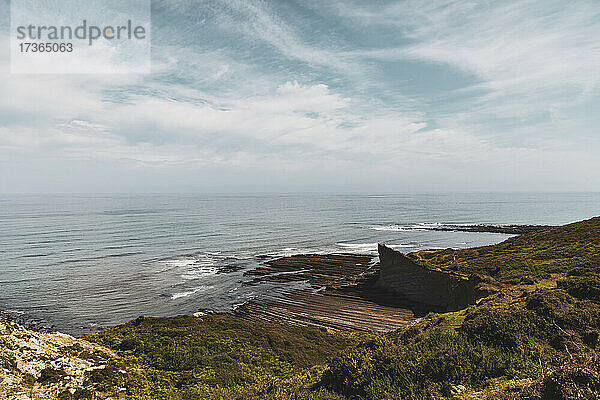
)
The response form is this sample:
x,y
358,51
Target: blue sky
x,y
321,96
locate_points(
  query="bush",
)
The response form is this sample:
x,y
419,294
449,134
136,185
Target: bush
x,y
584,286
510,329
423,365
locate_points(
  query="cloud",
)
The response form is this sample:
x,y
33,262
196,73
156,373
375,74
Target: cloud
x,y
531,56
256,20
249,88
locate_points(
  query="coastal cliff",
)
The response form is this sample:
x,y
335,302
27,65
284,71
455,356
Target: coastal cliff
x,y
536,337
438,290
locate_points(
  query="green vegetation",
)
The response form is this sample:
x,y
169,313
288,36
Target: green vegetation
x,y
534,337
527,258
213,356
506,342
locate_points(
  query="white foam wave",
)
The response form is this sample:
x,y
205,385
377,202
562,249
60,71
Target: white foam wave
x,y
358,247
200,272
429,224
370,247
184,262
391,228
196,266
421,226
206,258
191,292
292,251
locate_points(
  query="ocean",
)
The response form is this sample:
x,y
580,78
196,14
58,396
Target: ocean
x,y
80,263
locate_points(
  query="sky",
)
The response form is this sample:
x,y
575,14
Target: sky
x,y
321,96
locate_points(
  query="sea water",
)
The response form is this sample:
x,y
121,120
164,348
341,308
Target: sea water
x,y
80,263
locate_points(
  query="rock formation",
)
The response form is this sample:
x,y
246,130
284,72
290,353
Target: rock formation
x,y
340,296
435,290
37,365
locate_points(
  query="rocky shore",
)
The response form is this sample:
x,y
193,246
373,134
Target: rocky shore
x,y
350,292
487,228
339,295
43,365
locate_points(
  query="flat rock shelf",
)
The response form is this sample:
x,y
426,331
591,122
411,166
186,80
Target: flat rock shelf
x,y
341,297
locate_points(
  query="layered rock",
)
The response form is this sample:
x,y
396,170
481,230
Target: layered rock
x,y
432,289
339,296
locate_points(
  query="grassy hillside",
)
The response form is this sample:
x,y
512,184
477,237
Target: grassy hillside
x,y
536,338
526,258
541,344
214,356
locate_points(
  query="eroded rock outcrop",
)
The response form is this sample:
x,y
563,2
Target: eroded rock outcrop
x,y
434,289
37,365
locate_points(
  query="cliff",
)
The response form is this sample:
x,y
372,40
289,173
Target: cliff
x,y
434,289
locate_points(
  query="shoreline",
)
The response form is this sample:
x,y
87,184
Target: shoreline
x,y
87,320
510,229
487,319
332,284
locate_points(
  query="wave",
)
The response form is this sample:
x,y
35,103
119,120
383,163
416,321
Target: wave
x,y
293,251
421,226
353,248
176,296
201,272
199,266
464,227
206,259
181,262
413,227
358,247
370,248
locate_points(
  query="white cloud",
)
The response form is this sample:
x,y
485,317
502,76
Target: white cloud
x,y
258,22
531,55
211,107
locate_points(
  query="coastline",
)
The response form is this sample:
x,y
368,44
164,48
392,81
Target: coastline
x,y
322,284
527,331
132,255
